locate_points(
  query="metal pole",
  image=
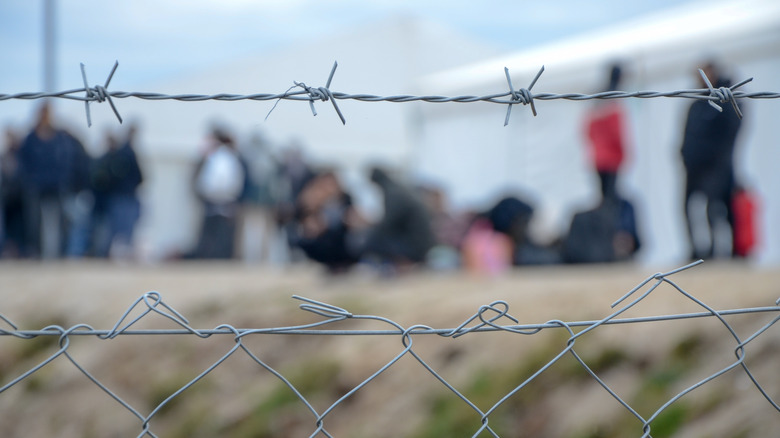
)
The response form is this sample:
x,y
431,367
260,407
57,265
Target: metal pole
x,y
49,43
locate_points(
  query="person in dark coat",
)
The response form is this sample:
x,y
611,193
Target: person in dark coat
x,y
324,214
116,177
404,234
54,168
12,243
708,156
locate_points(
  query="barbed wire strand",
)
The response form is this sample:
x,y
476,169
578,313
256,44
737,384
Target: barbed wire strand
x,y
715,96
488,318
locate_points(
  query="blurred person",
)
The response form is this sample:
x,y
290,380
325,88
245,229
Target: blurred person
x,y
708,158
295,171
54,169
220,183
604,234
78,201
294,174
513,216
608,232
403,236
501,237
12,241
606,138
449,229
116,177
259,232
101,182
485,250
325,216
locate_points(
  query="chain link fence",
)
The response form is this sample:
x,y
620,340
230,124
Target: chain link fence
x,y
334,321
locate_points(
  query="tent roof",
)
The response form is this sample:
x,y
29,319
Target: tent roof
x,y
695,29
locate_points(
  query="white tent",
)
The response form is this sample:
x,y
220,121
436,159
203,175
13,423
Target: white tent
x,y
469,151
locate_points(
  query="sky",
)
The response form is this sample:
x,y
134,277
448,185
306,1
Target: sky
x,y
154,40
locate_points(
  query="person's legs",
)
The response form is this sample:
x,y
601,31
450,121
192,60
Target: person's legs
x,y
52,227
721,226
700,231
218,237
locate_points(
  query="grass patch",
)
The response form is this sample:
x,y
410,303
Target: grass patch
x,y
281,409
161,390
669,421
452,417
196,423
687,349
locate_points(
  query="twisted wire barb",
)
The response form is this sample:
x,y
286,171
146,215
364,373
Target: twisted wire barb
x,y
523,95
488,318
723,94
98,93
714,96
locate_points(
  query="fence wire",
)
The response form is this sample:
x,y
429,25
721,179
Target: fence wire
x,y
490,318
302,92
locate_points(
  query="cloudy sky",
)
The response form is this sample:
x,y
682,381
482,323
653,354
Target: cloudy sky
x,y
158,39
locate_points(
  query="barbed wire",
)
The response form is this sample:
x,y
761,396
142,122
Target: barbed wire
x,y
493,317
302,92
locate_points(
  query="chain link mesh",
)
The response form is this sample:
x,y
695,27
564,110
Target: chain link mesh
x,y
488,320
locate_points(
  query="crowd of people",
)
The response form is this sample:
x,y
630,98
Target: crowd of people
x,y
58,201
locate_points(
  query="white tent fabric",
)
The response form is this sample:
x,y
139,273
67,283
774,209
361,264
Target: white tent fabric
x,y
477,159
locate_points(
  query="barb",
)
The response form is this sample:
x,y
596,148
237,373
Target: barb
x,y
723,94
523,95
311,94
322,93
98,93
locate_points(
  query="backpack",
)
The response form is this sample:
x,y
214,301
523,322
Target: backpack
x,y
744,205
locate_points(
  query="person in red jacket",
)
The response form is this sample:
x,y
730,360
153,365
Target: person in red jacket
x,y
608,232
606,140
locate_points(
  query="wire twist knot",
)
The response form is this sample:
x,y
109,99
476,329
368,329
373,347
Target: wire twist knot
x,y
322,93
723,94
522,95
98,93
318,93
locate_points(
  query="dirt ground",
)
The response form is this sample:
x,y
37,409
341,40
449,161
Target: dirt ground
x,y
59,399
